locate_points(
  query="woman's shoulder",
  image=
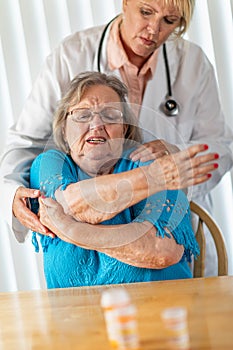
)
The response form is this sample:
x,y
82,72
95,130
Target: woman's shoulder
x,y
183,44
51,153
186,50
84,38
53,156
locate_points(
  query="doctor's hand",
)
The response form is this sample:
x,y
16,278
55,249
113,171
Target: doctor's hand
x,y
153,150
22,212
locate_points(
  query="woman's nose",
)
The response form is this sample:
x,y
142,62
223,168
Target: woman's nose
x,y
154,26
96,122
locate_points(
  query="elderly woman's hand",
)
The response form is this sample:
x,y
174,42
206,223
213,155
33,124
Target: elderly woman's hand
x,y
153,150
21,210
183,169
56,214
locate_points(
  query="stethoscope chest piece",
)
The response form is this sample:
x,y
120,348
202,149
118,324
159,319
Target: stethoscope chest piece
x,y
170,107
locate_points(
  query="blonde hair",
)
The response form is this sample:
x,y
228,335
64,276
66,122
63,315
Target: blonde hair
x,y
185,8
73,96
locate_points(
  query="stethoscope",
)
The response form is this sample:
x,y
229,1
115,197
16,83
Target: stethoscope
x,y
169,107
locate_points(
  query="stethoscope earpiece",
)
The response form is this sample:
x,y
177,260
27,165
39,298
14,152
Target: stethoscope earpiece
x,y
170,107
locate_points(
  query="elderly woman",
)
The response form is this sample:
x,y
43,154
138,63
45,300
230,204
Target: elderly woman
x,y
148,234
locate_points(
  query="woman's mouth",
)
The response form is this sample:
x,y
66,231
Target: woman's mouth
x,y
147,42
96,140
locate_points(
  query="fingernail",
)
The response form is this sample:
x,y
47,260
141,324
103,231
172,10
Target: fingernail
x,y
216,156
51,235
209,175
206,147
215,165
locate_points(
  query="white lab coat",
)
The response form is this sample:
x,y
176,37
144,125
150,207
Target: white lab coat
x,y
194,87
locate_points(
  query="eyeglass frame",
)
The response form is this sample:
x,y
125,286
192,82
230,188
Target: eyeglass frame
x,y
92,114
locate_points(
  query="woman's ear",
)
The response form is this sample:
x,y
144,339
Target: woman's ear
x,y
124,4
64,132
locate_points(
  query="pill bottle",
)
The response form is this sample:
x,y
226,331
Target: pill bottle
x,y
120,318
175,322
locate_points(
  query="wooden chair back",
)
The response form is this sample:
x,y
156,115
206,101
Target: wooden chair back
x,y
205,219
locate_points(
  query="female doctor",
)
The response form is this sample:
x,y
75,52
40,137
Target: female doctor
x,y
164,72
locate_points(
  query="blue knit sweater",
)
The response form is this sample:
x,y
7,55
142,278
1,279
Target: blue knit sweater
x,y
67,265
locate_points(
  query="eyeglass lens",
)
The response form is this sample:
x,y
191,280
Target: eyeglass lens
x,y
107,115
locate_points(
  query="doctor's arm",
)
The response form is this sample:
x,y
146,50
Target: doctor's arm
x,y
27,138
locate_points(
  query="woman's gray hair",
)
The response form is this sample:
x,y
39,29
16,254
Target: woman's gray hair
x,y
73,96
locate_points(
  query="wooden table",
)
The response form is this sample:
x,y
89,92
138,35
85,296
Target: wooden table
x,y
73,319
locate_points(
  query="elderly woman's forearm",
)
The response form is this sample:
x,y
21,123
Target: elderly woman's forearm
x,y
135,243
101,198
149,251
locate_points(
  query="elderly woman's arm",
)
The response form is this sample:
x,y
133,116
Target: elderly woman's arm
x,y
135,243
101,198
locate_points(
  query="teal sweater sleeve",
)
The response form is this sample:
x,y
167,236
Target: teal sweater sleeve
x,y
170,209
51,170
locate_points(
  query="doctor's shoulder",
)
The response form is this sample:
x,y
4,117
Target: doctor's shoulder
x,y
74,54
82,40
189,55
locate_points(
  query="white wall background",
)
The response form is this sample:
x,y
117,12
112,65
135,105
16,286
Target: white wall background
x,y
29,30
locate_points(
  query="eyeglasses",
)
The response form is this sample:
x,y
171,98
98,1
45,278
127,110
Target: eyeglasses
x,y
108,115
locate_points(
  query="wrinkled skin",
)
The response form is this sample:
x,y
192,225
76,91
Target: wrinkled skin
x,y
192,167
145,250
101,198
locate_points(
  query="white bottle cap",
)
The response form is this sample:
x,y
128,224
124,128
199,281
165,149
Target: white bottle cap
x,y
175,314
114,297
